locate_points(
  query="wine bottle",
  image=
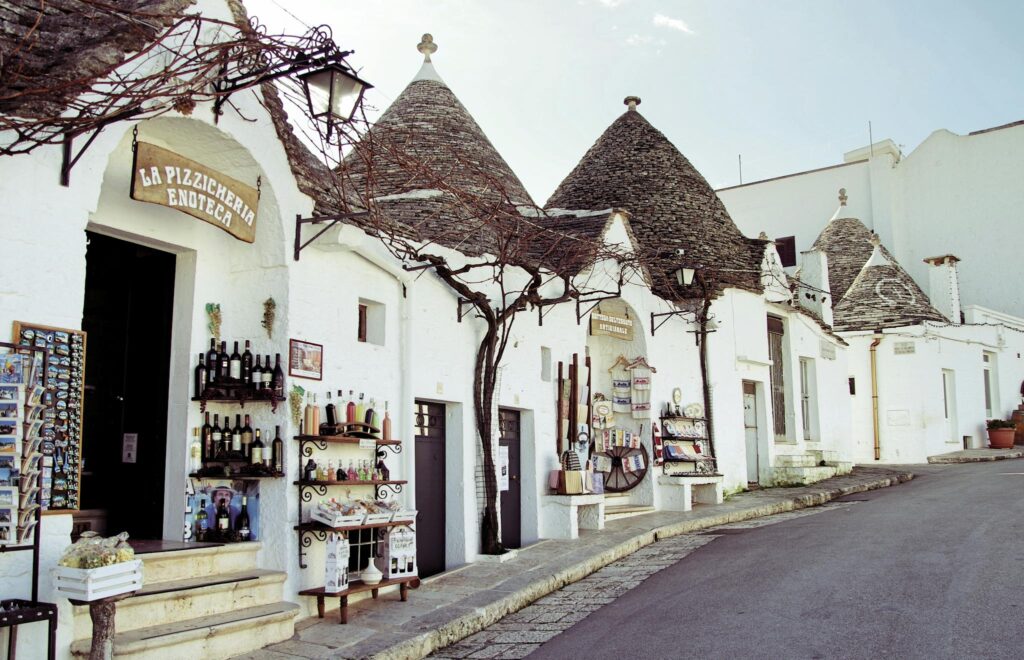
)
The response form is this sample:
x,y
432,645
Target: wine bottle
x,y
257,374
195,452
368,415
242,521
211,362
235,365
332,418
309,474
360,409
339,474
205,439
224,362
216,437
278,451
268,374
330,473
256,450
307,417
277,382
350,409
223,519
200,377
382,468
202,523
236,436
247,440
316,417
386,429
247,365
225,444
352,475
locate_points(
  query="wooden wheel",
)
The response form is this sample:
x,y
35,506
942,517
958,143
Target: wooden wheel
x,y
618,480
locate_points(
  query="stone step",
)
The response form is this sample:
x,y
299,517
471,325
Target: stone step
x,y
796,460
625,511
202,561
842,467
793,476
189,598
217,636
827,455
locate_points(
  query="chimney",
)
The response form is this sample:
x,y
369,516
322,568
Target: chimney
x,y
944,286
814,292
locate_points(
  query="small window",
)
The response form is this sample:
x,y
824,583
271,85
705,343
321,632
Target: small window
x,y
786,246
371,322
545,364
853,386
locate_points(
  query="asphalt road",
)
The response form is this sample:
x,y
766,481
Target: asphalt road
x,y
930,569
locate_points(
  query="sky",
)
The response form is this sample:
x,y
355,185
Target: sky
x,y
788,84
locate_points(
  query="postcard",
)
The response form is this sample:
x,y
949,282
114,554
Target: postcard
x,y
12,369
8,497
9,393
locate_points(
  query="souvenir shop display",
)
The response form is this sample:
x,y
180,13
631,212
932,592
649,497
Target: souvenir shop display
x,y
684,440
576,427
620,456
63,404
237,377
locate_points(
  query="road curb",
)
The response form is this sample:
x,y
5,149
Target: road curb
x,y
940,460
479,618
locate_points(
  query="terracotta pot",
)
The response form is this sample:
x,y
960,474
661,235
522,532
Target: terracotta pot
x,y
1000,438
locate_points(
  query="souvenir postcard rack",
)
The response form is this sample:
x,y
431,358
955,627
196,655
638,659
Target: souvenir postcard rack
x,y
22,403
685,446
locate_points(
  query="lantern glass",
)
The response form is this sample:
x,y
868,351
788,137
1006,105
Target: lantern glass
x,y
333,92
685,276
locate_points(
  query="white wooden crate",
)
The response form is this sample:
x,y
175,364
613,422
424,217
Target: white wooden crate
x,y
337,520
88,584
406,516
378,518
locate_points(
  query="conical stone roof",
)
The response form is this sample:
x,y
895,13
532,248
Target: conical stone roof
x,y
634,167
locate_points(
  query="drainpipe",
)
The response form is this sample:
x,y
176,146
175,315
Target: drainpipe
x,y
353,239
874,393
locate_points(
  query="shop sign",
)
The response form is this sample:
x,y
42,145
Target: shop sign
x,y
611,326
828,350
163,177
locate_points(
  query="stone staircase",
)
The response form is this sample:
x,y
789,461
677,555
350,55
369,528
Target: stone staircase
x,y
619,505
206,602
807,468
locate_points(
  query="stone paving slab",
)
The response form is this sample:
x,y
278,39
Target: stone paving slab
x,y
977,455
454,606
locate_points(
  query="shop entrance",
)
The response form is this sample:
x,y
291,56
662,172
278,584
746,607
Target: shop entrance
x,y
430,483
511,499
750,430
129,290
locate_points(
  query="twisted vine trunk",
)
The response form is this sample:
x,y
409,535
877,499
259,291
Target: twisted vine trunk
x,y
485,380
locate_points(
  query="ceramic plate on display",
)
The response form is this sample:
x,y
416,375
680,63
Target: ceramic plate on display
x,y
603,408
677,396
694,410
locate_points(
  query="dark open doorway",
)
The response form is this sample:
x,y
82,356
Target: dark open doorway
x,y
430,485
129,295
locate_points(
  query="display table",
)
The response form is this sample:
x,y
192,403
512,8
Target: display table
x,y
568,514
702,488
355,587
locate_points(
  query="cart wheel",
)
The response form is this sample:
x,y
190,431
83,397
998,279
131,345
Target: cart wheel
x,y
618,480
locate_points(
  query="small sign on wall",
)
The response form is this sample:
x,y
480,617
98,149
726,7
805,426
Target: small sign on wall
x,y
503,468
904,348
129,447
611,326
828,350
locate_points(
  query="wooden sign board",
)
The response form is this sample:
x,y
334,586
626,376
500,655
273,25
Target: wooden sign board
x,y
609,325
163,177
62,422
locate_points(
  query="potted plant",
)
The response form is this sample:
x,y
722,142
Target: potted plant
x,y
1000,433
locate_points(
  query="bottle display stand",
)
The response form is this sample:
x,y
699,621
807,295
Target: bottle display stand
x,y
364,537
15,612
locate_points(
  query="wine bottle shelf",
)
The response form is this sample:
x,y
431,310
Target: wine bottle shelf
x,y
236,476
343,439
261,396
320,527
352,482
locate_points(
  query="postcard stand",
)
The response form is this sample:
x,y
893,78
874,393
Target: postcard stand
x,y
15,612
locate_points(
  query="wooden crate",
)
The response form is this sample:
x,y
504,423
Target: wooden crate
x,y
88,584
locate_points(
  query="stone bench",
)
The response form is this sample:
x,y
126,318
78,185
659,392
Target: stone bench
x,y
702,488
564,516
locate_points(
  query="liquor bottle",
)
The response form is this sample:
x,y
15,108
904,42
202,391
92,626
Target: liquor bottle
x,y
247,365
307,417
277,382
225,443
223,519
352,475
309,474
278,451
339,474
202,523
268,374
386,430
247,440
360,409
373,417
207,440
257,374
330,474
256,450
316,416
211,362
216,438
236,435
200,379
242,521
224,362
196,452
382,468
350,409
368,413
332,418
235,365
320,471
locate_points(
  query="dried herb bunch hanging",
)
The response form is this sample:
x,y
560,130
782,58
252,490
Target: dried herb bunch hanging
x,y
213,313
269,312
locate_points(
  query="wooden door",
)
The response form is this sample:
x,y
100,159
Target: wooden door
x,y
750,429
511,499
778,382
430,480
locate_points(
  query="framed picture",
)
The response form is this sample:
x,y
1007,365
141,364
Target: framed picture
x,y
305,359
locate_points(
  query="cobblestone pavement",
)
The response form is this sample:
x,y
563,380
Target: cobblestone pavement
x,y
520,634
